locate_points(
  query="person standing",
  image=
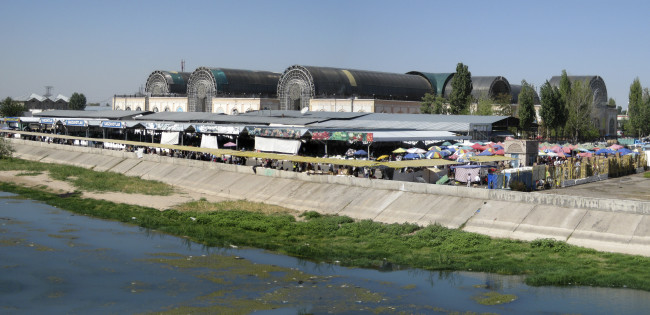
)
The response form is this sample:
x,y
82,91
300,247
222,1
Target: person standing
x,y
469,180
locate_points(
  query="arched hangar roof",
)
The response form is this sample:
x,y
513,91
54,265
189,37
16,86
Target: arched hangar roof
x,y
490,86
515,89
236,82
162,82
306,82
596,83
207,83
438,81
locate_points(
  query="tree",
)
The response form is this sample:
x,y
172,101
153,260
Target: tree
x,y
551,109
526,106
433,104
504,108
11,108
77,101
461,84
611,102
635,107
619,110
484,107
579,106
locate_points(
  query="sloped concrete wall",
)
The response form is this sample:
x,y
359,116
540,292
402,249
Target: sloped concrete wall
x,y
603,224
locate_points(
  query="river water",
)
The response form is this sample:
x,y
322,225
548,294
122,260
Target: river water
x,y
56,262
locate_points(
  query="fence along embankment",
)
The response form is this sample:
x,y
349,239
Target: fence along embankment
x,y
602,224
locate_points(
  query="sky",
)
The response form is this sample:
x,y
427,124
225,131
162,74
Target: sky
x,y
102,48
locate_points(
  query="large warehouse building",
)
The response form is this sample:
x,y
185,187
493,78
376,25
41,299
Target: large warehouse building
x,y
300,87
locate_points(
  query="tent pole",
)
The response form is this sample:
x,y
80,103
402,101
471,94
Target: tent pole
x,y
368,151
326,147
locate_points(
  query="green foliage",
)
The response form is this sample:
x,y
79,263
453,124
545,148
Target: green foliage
x,y
6,149
311,215
90,180
461,84
503,104
11,108
549,243
565,92
611,103
551,108
518,186
635,107
526,106
433,104
370,244
484,107
579,105
77,101
619,110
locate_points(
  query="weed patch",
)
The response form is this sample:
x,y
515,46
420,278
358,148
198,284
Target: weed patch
x,y
364,243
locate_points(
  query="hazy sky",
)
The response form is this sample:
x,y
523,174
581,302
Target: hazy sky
x,y
101,48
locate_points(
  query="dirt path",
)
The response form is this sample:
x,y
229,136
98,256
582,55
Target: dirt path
x,y
632,187
43,181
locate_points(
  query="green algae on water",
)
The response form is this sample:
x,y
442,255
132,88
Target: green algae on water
x,y
494,298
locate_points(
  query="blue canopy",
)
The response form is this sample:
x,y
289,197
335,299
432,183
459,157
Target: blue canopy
x,y
604,151
623,151
360,152
412,156
485,153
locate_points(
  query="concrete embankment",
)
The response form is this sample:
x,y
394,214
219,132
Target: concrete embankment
x,y
603,224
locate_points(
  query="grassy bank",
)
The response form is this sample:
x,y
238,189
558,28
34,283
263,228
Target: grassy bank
x,y
88,180
368,244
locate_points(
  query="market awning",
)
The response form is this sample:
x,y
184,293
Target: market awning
x,y
492,158
419,163
415,135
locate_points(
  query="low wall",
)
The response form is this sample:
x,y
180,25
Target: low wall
x,y
604,224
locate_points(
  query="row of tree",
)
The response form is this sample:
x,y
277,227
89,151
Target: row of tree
x,y
12,108
565,110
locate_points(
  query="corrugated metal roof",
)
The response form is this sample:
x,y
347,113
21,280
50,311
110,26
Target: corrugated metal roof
x,y
411,122
107,114
385,125
296,113
221,118
414,135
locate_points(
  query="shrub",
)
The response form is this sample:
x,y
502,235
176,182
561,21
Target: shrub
x,y
549,243
6,149
311,215
518,186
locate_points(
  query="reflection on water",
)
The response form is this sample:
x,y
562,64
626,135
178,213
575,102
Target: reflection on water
x,y
53,261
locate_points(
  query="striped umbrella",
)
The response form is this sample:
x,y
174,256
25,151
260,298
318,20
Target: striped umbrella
x,y
433,155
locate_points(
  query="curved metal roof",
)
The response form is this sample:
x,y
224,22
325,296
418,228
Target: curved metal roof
x,y
516,89
490,86
596,83
301,83
237,82
438,81
206,83
162,82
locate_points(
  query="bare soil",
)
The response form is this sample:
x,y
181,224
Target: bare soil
x,y
45,182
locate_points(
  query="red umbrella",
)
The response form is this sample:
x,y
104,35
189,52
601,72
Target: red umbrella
x,y
477,146
499,152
